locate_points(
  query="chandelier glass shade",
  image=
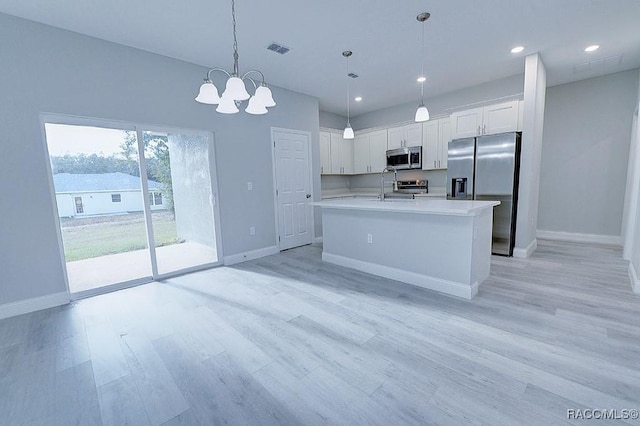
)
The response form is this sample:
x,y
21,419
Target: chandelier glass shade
x,y
235,90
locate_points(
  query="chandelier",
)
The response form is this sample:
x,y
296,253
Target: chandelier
x,y
235,90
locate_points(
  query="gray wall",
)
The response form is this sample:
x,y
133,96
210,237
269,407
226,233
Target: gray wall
x,y
510,87
50,70
332,121
585,153
191,182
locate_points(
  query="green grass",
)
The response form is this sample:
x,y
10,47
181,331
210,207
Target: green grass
x,y
85,241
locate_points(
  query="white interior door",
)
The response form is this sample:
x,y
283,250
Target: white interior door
x,y
293,187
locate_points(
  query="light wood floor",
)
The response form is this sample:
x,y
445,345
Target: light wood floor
x,y
289,340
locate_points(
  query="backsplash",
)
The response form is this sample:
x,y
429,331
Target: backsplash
x,y
436,178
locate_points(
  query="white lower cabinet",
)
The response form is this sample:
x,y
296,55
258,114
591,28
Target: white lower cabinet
x,y
436,135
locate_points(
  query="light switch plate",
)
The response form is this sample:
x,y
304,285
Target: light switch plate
x,y
250,186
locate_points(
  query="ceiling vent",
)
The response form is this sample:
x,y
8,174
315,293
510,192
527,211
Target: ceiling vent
x,y
352,75
278,48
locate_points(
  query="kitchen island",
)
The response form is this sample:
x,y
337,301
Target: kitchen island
x,y
442,245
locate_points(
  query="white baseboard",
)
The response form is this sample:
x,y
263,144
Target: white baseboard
x,y
250,255
610,240
633,278
317,240
523,253
35,304
432,283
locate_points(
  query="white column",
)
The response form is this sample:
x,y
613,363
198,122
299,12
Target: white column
x,y
535,87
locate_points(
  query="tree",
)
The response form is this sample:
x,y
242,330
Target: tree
x,y
156,148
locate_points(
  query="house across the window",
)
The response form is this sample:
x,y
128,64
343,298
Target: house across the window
x,y
155,198
116,198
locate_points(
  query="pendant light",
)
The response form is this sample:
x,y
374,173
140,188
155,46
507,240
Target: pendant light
x,y
422,113
348,131
235,89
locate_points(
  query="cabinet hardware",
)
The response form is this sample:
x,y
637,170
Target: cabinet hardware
x,y
479,130
434,164
484,129
438,163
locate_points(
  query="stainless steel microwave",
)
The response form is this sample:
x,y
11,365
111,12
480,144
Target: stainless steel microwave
x,y
405,158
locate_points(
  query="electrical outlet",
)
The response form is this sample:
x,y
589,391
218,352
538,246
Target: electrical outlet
x,y
249,186
252,230
369,238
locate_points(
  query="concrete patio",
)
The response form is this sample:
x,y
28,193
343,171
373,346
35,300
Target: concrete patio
x,y
101,271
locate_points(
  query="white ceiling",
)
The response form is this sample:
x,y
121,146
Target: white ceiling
x,y
467,41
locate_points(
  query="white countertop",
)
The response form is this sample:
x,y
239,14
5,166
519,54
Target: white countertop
x,y
419,206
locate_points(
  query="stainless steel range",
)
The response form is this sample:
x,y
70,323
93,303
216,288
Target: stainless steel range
x,y
413,186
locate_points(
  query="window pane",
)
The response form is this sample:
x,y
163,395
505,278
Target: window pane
x,y
88,164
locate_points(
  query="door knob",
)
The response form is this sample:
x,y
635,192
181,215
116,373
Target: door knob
x,y
308,195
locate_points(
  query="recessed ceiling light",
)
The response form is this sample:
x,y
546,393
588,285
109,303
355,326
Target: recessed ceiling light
x,y
517,49
358,98
422,79
592,48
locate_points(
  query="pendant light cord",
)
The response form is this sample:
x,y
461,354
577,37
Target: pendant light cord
x,y
235,38
422,70
348,96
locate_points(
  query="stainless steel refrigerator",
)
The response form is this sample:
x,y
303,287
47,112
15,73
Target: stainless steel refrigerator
x,y
487,168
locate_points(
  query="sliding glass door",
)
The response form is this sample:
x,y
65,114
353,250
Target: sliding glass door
x,y
133,204
180,196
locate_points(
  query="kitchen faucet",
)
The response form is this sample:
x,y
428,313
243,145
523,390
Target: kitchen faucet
x,y
395,179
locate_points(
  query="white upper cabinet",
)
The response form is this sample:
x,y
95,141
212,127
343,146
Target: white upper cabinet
x,y
325,153
445,137
336,154
520,115
361,154
344,160
467,123
395,137
436,135
369,152
491,119
377,151
404,136
500,118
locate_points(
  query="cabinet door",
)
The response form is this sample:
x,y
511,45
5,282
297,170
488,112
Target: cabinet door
x,y
336,153
413,134
395,137
466,123
325,153
377,151
444,136
520,115
361,160
347,156
430,150
500,118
